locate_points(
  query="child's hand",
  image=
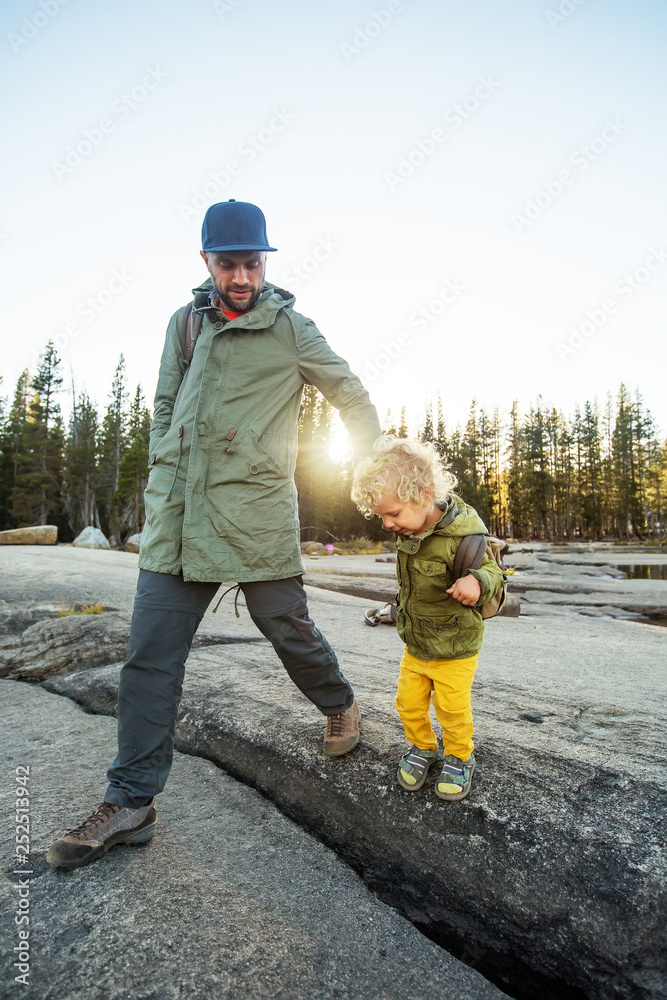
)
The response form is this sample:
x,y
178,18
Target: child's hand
x,y
466,590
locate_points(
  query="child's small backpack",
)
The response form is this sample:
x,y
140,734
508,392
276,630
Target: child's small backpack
x,y
469,555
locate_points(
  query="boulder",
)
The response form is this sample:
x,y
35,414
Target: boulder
x,y
91,538
132,543
512,606
41,534
310,547
59,645
17,618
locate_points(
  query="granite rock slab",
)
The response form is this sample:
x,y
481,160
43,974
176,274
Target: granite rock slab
x,y
230,900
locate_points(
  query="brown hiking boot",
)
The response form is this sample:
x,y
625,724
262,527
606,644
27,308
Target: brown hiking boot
x,y
109,825
342,732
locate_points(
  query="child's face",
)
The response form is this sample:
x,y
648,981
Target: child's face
x,y
406,517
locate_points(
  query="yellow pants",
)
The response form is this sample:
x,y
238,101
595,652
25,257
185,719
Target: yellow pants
x,y
450,681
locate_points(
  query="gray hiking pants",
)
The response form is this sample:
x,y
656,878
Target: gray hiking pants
x,y
167,613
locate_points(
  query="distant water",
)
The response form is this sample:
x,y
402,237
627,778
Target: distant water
x,y
641,571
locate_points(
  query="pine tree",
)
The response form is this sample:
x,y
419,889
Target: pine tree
x,y
5,464
12,447
440,430
37,496
589,468
655,487
626,491
427,432
113,442
133,473
325,472
518,503
457,461
81,465
467,465
537,476
607,500
563,476
559,470
388,427
305,464
499,517
489,489
139,418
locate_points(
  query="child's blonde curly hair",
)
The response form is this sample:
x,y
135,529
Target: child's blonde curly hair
x,y
404,468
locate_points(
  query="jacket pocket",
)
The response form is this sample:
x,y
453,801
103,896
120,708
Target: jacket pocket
x,y
242,463
271,461
166,449
430,581
162,528
438,638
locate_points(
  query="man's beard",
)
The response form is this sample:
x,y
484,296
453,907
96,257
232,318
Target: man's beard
x,y
235,306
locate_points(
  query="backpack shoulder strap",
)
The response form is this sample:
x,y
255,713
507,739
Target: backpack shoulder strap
x,y
189,328
469,554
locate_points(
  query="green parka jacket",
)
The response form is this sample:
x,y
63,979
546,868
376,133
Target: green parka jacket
x,y
432,624
221,503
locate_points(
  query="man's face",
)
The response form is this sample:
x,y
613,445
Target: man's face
x,y
238,276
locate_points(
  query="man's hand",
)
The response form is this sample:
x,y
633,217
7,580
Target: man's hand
x,y
466,590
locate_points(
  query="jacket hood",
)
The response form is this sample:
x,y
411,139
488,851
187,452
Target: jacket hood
x,y
263,313
459,518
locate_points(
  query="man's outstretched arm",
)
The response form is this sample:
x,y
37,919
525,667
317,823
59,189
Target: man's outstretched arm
x,y
332,375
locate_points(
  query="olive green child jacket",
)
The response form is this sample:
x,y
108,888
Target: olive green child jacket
x,y
432,624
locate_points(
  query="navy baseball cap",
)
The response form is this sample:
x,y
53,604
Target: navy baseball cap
x,y
234,225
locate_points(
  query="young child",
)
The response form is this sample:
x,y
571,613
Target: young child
x,y
405,484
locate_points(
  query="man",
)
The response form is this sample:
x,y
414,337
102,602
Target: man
x,y
221,505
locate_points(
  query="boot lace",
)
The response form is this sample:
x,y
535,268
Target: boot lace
x,y
335,724
103,813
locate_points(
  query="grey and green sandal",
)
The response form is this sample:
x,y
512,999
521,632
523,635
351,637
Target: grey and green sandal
x,y
455,778
413,768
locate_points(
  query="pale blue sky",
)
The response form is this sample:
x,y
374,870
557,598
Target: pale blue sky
x,y
332,124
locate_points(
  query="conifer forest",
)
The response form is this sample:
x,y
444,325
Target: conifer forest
x,y
599,472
